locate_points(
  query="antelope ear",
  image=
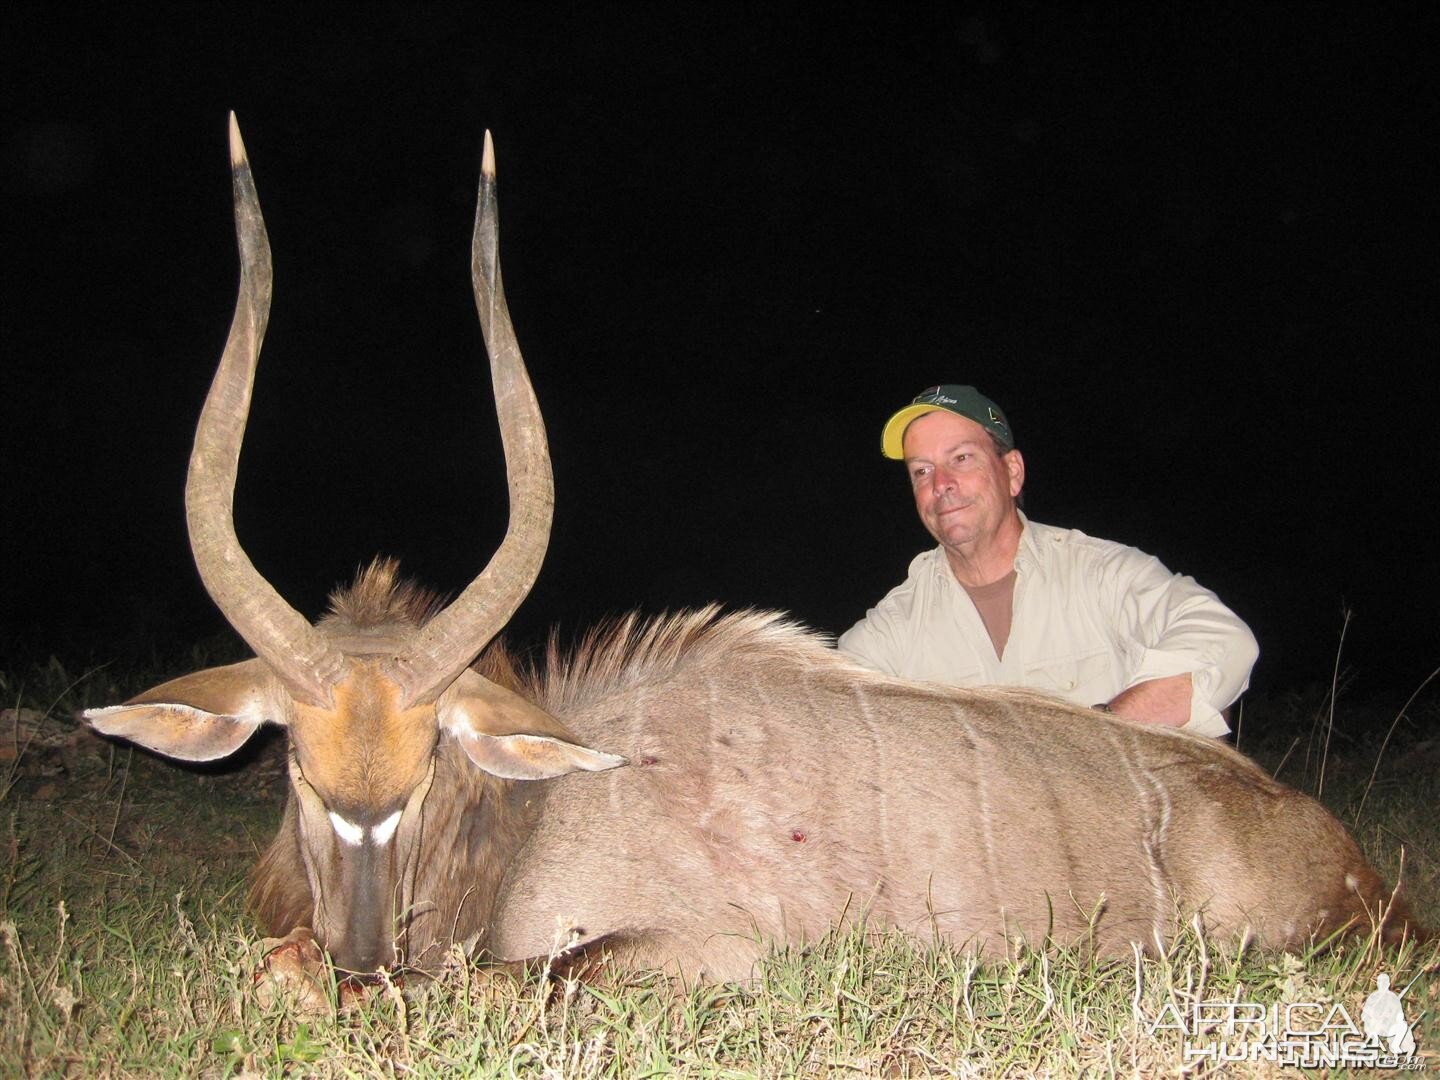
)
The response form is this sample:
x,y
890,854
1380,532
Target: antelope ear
x,y
509,737
198,717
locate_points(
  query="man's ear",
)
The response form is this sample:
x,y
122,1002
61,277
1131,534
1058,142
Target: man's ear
x,y
1015,464
202,716
509,737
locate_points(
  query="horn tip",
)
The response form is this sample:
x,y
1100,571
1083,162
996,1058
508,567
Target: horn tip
x,y
238,157
487,163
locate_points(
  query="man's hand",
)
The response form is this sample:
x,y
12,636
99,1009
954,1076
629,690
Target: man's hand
x,y
1156,701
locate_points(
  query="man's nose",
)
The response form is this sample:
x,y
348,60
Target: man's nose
x,y
941,481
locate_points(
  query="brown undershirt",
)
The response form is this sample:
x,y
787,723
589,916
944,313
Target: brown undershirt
x,y
994,603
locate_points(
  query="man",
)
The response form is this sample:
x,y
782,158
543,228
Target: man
x,y
1007,601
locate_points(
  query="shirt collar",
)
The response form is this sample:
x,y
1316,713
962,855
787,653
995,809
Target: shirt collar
x,y
1030,555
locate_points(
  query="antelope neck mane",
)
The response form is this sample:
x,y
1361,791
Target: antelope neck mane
x,y
611,657
379,596
632,650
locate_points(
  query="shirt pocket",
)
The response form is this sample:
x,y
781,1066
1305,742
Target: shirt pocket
x,y
1083,678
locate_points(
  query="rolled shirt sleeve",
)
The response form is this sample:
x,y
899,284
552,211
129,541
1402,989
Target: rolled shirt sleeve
x,y
1169,624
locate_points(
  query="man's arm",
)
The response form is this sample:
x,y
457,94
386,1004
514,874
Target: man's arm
x,y
873,642
884,639
1187,655
1165,701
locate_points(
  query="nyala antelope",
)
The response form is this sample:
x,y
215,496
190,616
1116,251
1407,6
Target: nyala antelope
x,y
685,791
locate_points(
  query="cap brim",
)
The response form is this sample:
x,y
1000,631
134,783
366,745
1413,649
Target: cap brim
x,y
892,439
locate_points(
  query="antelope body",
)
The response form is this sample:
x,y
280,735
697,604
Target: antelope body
x,y
689,790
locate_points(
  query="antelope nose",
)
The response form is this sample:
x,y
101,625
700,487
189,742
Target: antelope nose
x,y
360,961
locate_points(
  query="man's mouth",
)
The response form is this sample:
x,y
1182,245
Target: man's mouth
x,y
954,508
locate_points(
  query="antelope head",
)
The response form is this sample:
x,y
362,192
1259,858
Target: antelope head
x,y
365,707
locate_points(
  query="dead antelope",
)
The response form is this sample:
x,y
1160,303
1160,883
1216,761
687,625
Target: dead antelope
x,y
746,784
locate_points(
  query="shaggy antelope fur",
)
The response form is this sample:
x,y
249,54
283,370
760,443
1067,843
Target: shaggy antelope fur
x,y
775,789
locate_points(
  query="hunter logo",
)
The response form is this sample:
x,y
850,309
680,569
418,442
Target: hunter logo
x,y
1384,1019
1300,1034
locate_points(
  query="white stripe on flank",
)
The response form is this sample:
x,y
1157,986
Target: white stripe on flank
x,y
347,831
382,833
1156,804
987,830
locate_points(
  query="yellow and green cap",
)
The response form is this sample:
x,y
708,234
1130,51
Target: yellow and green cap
x,y
963,401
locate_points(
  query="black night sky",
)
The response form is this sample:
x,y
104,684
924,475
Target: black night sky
x,y
1190,248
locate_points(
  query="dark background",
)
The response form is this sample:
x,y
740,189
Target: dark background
x,y
1190,250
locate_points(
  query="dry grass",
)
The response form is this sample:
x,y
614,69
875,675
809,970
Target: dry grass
x,y
125,951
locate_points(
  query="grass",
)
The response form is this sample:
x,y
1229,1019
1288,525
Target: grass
x,y
125,949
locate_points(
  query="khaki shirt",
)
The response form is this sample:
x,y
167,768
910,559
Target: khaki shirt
x,y
1090,618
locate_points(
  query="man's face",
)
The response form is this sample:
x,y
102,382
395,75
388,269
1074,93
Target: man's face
x,y
964,490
